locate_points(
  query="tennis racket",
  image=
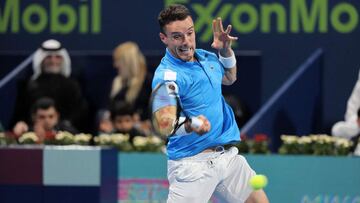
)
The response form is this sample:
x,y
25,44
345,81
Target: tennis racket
x,y
167,115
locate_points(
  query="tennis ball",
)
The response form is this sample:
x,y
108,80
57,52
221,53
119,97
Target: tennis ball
x,y
258,182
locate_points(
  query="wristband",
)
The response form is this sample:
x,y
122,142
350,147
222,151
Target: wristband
x,y
228,62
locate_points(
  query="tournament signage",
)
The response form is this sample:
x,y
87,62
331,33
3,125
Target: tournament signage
x,y
93,18
295,16
57,17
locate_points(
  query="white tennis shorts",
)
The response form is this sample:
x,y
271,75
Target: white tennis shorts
x,y
224,173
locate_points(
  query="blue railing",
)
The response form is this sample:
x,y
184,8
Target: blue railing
x,y
15,71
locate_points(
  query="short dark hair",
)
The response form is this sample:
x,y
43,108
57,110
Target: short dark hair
x,y
172,13
42,103
121,108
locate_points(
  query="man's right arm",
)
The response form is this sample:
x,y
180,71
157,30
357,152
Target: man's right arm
x,y
20,128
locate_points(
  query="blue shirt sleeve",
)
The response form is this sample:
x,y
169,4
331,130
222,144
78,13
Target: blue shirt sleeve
x,y
164,95
180,80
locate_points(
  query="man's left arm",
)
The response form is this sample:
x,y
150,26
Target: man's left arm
x,y
230,72
222,42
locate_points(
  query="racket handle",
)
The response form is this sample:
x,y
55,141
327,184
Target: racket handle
x,y
196,122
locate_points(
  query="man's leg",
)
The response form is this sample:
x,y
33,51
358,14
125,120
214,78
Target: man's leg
x,y
257,196
235,188
190,181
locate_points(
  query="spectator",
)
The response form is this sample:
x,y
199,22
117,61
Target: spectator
x,y
133,82
356,146
104,122
124,121
45,120
349,127
358,117
52,68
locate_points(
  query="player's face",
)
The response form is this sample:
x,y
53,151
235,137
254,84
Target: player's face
x,y
52,63
179,37
47,117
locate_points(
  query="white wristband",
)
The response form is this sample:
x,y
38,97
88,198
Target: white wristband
x,y
228,62
181,130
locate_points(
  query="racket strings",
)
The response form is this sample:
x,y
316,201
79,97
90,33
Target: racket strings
x,y
179,124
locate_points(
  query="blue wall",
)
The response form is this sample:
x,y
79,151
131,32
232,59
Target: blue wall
x,y
295,108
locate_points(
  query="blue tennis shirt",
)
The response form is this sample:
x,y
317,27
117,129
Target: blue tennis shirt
x,y
199,87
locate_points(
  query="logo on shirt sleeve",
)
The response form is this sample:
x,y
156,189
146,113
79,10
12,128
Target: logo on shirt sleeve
x,y
170,75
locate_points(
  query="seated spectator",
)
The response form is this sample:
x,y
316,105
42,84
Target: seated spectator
x,y
349,127
124,121
52,68
358,117
45,120
104,122
355,139
133,82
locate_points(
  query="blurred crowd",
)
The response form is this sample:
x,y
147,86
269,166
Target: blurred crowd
x,y
51,100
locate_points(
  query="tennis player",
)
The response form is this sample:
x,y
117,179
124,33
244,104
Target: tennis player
x,y
198,163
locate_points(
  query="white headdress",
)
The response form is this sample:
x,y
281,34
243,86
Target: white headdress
x,y
48,47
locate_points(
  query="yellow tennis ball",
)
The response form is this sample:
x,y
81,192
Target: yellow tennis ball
x,y
258,182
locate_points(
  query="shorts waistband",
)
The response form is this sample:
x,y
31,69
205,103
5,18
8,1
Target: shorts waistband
x,y
210,153
218,148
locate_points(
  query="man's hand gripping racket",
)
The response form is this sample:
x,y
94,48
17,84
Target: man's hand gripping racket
x,y
167,116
